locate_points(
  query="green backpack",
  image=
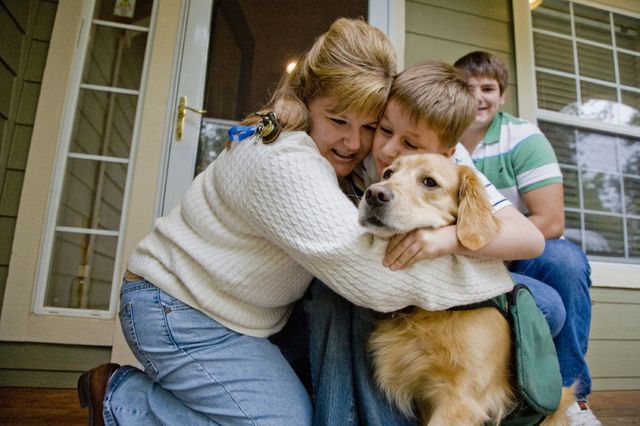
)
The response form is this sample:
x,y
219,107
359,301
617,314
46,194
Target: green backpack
x,y
535,362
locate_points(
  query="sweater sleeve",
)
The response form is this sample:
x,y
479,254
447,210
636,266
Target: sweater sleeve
x,y
294,201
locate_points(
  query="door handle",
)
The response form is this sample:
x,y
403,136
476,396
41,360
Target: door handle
x,y
182,111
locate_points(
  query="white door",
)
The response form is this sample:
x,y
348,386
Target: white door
x,y
232,54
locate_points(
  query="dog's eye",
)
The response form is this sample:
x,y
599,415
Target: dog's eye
x,y
429,182
387,174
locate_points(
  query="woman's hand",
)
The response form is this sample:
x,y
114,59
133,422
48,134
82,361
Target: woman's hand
x,y
404,250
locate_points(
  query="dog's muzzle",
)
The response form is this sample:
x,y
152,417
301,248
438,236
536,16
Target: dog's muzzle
x,y
378,195
373,207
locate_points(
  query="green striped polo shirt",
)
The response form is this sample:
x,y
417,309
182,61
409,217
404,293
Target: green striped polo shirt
x,y
516,157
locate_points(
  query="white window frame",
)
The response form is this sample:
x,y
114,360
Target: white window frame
x,y
604,273
63,154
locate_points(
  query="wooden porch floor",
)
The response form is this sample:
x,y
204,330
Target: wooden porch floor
x,y
31,406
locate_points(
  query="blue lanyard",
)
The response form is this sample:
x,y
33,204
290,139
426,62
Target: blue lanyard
x,y
238,133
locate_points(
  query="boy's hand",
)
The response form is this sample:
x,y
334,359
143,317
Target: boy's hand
x,y
404,250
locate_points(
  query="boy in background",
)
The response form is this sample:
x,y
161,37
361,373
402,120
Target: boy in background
x,y
519,160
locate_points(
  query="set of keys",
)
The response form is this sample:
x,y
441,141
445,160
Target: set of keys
x,y
268,129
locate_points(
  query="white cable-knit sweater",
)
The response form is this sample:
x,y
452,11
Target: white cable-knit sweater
x,y
262,220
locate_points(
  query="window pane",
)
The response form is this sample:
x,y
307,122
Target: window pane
x,y
212,140
596,62
602,191
597,151
604,235
552,15
141,12
630,109
627,32
556,93
629,150
92,194
599,103
571,191
592,24
104,124
72,284
633,229
553,52
572,227
115,57
632,195
629,66
563,140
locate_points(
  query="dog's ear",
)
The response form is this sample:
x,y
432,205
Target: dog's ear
x,y
476,224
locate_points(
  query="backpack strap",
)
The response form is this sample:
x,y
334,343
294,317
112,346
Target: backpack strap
x,y
500,302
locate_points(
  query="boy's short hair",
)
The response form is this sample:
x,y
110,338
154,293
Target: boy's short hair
x,y
436,94
484,64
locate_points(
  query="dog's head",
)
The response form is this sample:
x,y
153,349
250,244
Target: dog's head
x,y
429,191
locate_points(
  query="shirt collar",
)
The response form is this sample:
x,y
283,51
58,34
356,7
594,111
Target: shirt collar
x,y
493,132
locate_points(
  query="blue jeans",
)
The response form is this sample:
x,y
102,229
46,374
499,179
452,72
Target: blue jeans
x,y
564,267
341,372
197,371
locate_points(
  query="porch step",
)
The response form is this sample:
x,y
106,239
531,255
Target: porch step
x,y
38,406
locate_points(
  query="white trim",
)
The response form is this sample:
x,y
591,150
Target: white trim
x,y
104,158
615,275
573,120
119,25
64,140
390,17
75,230
135,140
525,69
604,6
109,89
76,313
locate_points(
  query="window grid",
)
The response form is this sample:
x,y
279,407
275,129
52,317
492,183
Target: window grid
x,y
595,99
89,204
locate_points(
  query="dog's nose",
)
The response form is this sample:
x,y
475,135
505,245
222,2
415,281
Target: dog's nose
x,y
378,195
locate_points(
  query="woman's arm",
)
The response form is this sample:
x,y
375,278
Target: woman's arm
x,y
291,198
518,238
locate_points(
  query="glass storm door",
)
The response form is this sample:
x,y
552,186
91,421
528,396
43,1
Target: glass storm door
x,y
233,54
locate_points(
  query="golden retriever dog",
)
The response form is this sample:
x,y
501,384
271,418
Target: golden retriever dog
x,y
453,366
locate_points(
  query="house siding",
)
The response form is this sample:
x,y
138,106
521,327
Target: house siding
x,y
445,30
25,31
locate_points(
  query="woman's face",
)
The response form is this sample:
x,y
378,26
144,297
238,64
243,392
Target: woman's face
x,y
343,139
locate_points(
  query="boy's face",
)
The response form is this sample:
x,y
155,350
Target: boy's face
x,y
398,135
489,98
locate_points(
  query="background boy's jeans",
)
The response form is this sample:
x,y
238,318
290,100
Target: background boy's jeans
x,y
564,267
197,370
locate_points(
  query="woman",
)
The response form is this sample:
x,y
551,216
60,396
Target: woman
x,y
220,273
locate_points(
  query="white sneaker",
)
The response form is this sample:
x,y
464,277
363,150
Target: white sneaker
x,y
580,414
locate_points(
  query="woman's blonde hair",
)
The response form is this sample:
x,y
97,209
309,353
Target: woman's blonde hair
x,y
352,62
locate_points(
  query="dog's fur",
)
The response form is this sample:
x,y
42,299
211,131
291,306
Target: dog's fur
x,y
452,366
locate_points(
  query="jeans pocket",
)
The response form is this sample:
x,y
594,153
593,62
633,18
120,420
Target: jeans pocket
x,y
128,324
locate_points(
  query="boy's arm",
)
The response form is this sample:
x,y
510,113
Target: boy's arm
x,y
546,208
518,238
